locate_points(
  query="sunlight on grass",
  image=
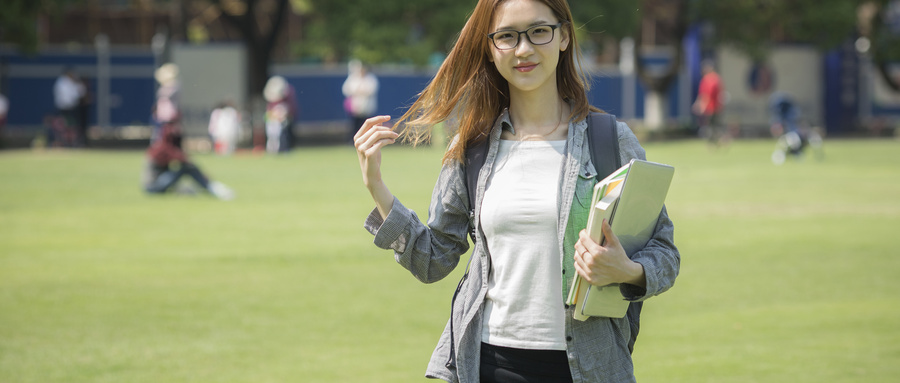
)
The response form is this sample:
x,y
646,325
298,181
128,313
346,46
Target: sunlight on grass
x,y
788,272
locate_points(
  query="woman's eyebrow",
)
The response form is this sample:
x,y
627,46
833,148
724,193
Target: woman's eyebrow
x,y
533,23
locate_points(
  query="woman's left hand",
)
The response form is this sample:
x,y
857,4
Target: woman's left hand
x,y
603,265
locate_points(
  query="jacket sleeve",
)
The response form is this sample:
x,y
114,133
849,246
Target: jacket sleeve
x,y
660,258
429,251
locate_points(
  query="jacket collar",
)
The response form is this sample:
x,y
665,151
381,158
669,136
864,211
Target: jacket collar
x,y
576,128
504,122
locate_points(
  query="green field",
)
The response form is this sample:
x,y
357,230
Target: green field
x,y
789,273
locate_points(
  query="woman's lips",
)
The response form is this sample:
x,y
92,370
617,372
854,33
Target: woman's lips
x,y
527,67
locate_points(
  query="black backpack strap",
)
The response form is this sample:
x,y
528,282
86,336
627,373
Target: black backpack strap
x,y
603,138
475,157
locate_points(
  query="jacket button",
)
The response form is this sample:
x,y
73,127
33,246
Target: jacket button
x,y
568,339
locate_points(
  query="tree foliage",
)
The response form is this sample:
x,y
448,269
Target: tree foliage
x,y
884,35
382,31
19,19
258,40
752,26
410,32
401,31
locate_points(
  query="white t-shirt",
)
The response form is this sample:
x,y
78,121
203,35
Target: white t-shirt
x,y
225,124
67,92
519,216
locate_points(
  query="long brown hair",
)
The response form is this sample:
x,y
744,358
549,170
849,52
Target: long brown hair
x,y
469,91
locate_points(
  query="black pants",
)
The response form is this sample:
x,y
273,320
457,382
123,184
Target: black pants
x,y
163,178
286,140
513,365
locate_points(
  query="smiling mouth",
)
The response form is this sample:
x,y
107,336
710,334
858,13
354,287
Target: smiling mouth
x,y
525,67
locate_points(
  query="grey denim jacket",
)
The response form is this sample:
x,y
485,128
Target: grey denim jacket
x,y
597,348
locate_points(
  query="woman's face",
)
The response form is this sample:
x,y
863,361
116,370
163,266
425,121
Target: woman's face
x,y
527,67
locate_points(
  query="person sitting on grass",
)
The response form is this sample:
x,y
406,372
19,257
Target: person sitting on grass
x,y
167,163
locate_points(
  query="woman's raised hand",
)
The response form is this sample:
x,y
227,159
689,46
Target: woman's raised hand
x,y
369,140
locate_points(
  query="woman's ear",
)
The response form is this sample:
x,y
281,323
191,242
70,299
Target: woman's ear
x,y
564,38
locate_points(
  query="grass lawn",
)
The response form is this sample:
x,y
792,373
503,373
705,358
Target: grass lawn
x,y
789,273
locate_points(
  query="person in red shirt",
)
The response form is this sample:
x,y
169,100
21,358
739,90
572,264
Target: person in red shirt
x,y
709,104
167,163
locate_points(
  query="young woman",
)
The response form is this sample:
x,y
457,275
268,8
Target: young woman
x,y
513,79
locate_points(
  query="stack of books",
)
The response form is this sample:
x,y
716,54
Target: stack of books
x,y
630,199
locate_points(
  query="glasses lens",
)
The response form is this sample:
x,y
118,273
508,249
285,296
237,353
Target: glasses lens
x,y
541,34
506,39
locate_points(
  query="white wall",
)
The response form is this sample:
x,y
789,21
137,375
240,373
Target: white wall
x,y
209,74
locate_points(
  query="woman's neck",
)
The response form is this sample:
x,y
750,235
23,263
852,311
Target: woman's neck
x,y
538,116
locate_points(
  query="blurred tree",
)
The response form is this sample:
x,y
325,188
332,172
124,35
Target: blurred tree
x,y
881,27
600,25
19,20
259,23
656,24
751,26
825,24
395,31
410,32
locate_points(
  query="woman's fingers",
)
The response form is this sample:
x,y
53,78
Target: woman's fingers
x,y
369,124
370,134
369,141
586,246
602,265
370,144
589,258
378,144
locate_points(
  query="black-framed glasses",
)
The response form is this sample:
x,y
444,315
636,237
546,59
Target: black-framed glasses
x,y
536,35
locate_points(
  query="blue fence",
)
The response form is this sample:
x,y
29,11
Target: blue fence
x,y
28,83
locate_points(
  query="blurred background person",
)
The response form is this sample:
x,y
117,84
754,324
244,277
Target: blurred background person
x,y
709,104
167,163
67,94
787,125
165,109
82,113
360,95
281,112
4,109
225,128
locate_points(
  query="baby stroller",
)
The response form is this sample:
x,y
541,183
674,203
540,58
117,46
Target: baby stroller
x,y
794,135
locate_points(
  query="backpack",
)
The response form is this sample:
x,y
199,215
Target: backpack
x,y
604,143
